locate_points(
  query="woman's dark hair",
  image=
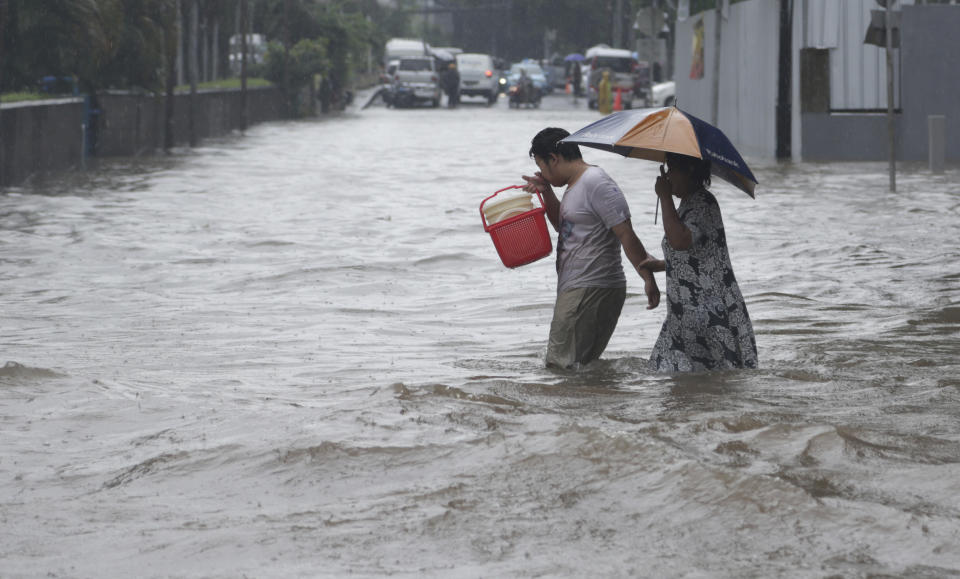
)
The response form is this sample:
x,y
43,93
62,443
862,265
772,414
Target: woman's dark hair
x,y
698,169
547,142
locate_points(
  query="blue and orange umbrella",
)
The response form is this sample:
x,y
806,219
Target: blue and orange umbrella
x,y
652,133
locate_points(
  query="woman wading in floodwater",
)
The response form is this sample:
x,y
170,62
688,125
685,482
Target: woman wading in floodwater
x,y
707,325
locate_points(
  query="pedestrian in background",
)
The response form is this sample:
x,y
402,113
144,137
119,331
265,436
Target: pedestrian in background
x,y
451,85
577,80
604,96
593,223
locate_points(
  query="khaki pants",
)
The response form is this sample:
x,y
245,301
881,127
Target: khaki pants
x,y
583,322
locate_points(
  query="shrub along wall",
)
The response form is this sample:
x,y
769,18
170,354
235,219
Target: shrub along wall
x,y
42,136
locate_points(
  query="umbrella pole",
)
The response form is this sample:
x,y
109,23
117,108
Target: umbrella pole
x,y
656,211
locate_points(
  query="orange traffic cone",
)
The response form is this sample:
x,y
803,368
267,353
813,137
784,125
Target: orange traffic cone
x,y
618,102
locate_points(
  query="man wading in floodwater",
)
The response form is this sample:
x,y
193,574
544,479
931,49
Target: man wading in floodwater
x,y
593,222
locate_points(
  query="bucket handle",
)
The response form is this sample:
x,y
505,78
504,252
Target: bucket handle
x,y
482,203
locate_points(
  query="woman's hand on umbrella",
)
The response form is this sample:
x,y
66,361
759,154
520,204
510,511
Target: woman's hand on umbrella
x,y
663,186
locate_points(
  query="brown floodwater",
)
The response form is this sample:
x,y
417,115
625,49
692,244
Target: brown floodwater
x,y
296,353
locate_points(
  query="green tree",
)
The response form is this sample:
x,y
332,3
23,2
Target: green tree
x,y
55,37
137,39
302,62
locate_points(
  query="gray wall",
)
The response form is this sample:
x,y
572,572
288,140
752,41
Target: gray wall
x,y
930,82
748,74
133,124
39,138
930,85
44,136
930,77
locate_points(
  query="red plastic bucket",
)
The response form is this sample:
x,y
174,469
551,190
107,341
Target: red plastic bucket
x,y
520,239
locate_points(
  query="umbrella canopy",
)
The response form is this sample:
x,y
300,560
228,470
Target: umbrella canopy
x,y
573,56
652,133
443,55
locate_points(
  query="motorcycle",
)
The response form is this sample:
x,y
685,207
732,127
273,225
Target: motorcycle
x,y
524,92
401,96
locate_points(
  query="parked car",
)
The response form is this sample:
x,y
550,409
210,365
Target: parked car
x,y
556,71
477,76
533,71
664,94
416,81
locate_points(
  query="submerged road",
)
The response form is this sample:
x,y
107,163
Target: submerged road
x,y
296,353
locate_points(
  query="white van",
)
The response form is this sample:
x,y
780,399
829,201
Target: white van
x,y
478,76
397,48
622,66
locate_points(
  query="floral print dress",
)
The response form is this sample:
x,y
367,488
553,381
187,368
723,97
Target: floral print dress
x,y
707,325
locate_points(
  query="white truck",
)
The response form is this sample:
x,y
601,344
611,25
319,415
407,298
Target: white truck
x,y
622,67
397,48
414,78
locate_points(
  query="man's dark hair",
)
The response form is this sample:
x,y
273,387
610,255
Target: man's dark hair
x,y
547,142
698,169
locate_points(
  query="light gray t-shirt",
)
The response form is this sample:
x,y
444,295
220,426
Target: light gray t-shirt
x,y
588,252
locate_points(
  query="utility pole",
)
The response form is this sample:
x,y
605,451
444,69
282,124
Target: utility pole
x,y
287,97
172,39
891,130
715,105
243,65
192,57
785,81
3,25
618,24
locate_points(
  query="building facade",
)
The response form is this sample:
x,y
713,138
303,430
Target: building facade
x,y
837,95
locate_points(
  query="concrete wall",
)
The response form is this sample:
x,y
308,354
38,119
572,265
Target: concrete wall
x,y
930,78
930,85
748,74
44,136
845,136
38,138
133,124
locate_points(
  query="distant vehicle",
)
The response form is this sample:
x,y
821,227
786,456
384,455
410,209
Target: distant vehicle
x,y
256,51
451,50
622,66
556,71
416,81
397,48
664,94
387,78
477,76
524,92
533,71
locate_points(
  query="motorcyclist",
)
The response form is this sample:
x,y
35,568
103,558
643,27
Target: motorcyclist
x,y
526,87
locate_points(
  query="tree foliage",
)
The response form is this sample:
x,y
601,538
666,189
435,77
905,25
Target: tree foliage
x,y
121,43
304,60
55,38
